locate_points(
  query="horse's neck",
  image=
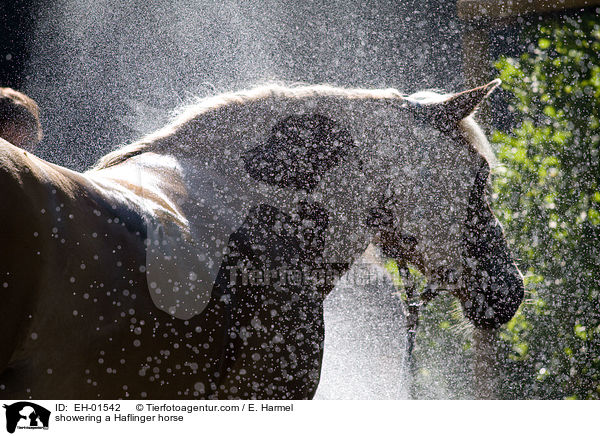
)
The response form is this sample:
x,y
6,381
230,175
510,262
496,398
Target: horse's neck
x,y
211,148
215,134
194,206
222,196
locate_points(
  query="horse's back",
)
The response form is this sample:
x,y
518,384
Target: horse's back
x,y
67,258
77,317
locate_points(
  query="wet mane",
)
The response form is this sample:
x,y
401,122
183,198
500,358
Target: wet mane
x,y
189,114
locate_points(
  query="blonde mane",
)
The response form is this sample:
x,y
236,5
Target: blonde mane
x,y
187,115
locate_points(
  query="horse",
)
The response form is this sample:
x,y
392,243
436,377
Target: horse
x,y
194,262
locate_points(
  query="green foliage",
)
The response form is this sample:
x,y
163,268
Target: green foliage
x,y
547,194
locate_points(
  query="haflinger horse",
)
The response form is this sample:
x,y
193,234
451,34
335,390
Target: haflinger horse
x,y
194,262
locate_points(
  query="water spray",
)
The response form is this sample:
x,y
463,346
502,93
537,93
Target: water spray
x,y
413,302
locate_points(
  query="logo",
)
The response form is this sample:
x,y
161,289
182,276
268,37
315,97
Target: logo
x,y
26,415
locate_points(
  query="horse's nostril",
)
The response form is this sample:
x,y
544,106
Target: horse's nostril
x,y
491,303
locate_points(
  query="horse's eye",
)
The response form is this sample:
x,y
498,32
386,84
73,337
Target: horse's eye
x,y
408,241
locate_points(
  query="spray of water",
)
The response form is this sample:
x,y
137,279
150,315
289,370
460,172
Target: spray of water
x,y
365,339
105,71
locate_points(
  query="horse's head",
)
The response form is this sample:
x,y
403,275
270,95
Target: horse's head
x,y
443,222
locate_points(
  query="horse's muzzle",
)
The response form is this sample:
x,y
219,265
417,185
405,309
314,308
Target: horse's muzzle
x,y
492,295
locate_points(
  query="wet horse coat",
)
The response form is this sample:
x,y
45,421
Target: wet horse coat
x,y
194,263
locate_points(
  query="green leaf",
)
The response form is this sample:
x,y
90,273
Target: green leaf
x,y
544,43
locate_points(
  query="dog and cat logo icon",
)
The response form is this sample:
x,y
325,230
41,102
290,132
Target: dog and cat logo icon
x,y
26,415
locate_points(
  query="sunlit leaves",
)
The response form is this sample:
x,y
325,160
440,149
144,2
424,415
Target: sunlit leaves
x,y
547,195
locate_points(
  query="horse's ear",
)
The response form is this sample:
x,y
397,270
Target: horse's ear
x,y
463,104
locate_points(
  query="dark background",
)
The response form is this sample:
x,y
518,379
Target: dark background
x,y
105,72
